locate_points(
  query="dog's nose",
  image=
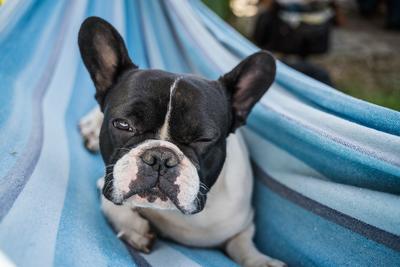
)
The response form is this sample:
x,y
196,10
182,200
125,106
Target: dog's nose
x,y
160,159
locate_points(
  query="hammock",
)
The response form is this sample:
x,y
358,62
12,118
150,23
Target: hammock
x,y
327,165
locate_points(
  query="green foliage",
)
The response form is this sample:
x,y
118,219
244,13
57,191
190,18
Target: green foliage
x,y
390,97
375,80
221,7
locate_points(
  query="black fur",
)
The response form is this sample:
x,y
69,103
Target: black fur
x,y
204,112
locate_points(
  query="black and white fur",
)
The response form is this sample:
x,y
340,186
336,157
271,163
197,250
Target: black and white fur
x,y
168,143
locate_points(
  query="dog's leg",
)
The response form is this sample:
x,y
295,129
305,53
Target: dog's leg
x,y
89,127
242,250
129,225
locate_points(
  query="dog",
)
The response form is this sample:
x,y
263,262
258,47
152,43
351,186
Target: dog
x,y
174,159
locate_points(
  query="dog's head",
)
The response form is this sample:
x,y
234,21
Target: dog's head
x,y
163,138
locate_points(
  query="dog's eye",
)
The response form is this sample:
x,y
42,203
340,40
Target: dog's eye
x,y
122,125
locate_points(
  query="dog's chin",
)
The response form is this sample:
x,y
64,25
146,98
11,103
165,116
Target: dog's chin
x,y
158,201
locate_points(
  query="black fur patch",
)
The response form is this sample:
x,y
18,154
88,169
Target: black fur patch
x,y
203,112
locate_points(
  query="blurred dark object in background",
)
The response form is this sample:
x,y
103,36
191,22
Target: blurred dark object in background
x,y
369,8
393,14
294,27
363,57
313,70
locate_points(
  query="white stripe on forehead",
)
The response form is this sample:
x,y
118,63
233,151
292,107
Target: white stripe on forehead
x,y
164,130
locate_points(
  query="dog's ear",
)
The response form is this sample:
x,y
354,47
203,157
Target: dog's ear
x,y
247,83
104,53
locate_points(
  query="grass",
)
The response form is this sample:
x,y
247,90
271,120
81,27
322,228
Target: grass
x,y
355,87
373,80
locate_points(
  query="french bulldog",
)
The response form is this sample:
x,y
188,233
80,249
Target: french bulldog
x,y
174,158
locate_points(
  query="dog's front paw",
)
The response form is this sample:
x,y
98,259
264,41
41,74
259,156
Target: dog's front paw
x,y
129,225
264,261
141,242
89,127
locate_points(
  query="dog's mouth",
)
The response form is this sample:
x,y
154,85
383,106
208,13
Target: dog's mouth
x,y
152,194
155,193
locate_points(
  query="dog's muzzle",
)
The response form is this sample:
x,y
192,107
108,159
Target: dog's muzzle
x,y
155,174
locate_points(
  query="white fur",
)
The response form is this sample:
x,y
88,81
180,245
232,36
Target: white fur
x,y
164,130
220,218
125,171
89,127
128,223
188,182
242,250
226,220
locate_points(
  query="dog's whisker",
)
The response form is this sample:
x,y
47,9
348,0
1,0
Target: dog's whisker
x,y
111,165
204,187
108,184
107,176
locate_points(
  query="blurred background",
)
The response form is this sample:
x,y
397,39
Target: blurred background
x,y
349,44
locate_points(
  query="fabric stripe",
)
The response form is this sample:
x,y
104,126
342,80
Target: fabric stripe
x,y
139,260
369,231
164,255
286,231
10,12
154,54
376,144
223,32
201,36
162,37
192,51
206,257
13,182
337,103
23,67
83,230
134,35
372,207
323,154
43,196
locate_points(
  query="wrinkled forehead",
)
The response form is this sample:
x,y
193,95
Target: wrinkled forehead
x,y
154,92
142,84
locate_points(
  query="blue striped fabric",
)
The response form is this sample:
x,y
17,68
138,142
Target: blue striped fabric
x,y
327,164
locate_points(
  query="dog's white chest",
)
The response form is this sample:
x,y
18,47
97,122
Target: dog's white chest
x,y
228,208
